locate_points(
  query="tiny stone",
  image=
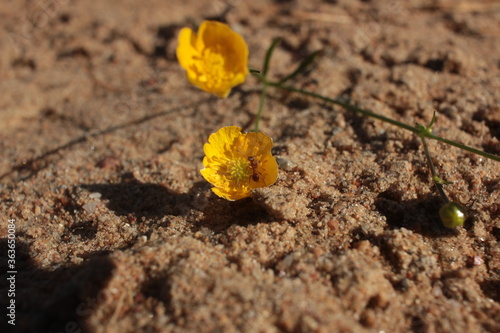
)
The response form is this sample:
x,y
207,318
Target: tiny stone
x,y
89,207
477,261
95,195
284,163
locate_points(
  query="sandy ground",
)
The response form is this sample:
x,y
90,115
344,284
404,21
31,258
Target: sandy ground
x,y
116,230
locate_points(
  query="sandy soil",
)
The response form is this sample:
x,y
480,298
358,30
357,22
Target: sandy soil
x,y
116,230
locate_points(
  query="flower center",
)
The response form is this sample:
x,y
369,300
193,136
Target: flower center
x,y
239,170
212,67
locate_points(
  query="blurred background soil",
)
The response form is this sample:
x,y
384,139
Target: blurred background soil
x,y
116,230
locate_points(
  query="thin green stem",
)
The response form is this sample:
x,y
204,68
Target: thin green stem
x,y
269,53
464,147
346,106
433,171
261,106
384,119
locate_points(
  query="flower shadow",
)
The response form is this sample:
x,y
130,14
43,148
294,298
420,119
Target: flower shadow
x,y
131,197
165,34
219,214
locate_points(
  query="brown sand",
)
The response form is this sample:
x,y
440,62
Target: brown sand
x,y
116,230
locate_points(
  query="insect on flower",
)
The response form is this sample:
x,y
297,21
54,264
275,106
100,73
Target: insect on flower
x,y
254,164
235,163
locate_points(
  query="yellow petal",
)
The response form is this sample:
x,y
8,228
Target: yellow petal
x,y
258,144
186,48
231,195
270,172
219,143
213,32
224,91
212,175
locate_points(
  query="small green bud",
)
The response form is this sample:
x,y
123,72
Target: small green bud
x,y
452,214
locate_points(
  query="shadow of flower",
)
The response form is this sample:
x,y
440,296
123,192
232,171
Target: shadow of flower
x,y
132,197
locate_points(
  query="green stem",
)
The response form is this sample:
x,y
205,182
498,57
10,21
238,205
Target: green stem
x,y
382,118
346,106
433,171
464,147
261,106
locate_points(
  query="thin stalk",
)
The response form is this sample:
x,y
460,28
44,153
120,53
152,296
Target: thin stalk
x,y
433,171
385,119
261,106
464,147
346,106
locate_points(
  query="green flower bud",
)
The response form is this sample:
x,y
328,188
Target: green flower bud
x,y
452,214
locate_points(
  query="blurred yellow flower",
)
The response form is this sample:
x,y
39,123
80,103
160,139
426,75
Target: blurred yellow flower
x,y
216,59
235,163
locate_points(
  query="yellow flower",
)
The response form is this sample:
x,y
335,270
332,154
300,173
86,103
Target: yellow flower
x,y
235,163
216,59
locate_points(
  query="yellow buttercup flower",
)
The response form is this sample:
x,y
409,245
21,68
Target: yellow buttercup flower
x,y
216,59
235,163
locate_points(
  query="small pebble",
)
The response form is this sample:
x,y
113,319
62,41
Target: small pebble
x,y
95,195
284,163
90,206
477,261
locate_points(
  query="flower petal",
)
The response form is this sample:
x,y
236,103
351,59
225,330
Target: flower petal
x,y
219,143
270,173
258,144
231,195
186,49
